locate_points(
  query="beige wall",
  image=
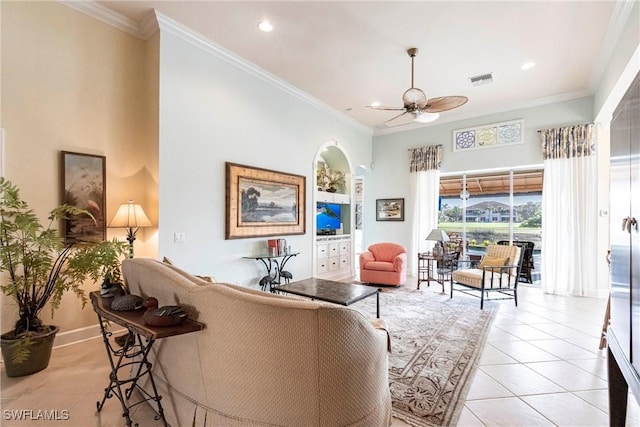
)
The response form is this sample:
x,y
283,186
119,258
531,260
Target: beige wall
x,y
72,83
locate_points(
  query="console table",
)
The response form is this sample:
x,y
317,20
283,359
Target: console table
x,y
130,363
273,263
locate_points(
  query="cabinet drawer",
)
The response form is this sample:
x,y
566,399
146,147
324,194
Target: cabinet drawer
x,y
334,249
334,264
344,248
323,266
323,251
344,262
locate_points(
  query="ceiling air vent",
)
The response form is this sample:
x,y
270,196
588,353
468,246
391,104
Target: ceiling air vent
x,y
482,79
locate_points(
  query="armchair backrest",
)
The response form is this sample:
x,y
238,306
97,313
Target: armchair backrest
x,y
386,251
504,251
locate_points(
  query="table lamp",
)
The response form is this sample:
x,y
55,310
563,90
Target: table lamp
x,y
439,236
130,216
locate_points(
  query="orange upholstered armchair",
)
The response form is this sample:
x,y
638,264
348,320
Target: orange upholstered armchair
x,y
384,263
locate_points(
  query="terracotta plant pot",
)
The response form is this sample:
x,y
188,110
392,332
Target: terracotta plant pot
x,y
39,353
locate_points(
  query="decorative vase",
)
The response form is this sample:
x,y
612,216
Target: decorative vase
x,y
39,353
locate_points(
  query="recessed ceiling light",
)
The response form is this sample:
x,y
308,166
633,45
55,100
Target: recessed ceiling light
x,y
375,104
265,26
528,65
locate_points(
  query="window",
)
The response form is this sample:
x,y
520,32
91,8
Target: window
x,y
491,213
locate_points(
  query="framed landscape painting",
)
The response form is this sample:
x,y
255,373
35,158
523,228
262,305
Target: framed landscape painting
x,y
263,202
83,186
390,210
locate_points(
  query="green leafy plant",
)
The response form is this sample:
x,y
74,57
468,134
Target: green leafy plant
x,y
40,267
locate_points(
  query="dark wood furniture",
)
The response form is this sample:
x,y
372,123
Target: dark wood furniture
x,y
435,267
623,334
527,259
129,363
330,291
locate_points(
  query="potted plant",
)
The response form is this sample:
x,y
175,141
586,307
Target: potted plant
x,y
40,268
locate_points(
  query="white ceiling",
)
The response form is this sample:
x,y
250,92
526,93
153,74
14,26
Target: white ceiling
x,y
348,54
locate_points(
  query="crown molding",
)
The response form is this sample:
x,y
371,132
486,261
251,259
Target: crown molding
x,y
181,31
155,20
501,109
617,22
109,17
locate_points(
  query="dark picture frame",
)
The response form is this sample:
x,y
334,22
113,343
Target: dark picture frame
x,y
84,186
389,209
262,202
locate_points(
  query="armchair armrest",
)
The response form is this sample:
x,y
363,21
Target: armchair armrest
x,y
464,263
498,273
399,262
365,257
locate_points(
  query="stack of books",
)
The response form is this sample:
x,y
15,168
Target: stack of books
x,y
277,247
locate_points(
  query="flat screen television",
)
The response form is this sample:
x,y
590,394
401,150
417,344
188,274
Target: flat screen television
x,y
327,216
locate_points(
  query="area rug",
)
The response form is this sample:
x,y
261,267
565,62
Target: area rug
x,y
436,342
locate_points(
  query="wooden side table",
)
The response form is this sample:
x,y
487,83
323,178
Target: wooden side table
x,y
428,268
132,357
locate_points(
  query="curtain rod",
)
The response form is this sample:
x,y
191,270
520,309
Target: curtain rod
x,y
568,126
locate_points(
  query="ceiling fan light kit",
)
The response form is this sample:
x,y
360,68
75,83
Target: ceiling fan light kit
x,y
421,117
415,101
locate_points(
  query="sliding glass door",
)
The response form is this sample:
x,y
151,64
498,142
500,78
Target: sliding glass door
x,y
497,206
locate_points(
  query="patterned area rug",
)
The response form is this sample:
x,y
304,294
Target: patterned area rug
x,y
436,342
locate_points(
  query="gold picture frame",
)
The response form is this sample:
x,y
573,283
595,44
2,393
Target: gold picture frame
x,y
262,202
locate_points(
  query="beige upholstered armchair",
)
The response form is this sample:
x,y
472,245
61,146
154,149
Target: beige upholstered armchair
x,y
497,273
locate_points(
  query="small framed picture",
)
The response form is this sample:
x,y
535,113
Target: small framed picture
x,y
83,186
390,210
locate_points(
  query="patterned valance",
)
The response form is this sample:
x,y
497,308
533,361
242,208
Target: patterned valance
x,y
567,142
425,158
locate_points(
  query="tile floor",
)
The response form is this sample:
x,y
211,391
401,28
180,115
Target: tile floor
x,y
540,366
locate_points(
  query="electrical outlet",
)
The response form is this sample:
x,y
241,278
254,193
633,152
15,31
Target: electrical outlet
x,y
179,237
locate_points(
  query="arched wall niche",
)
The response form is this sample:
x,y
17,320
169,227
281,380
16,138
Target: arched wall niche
x,y
333,247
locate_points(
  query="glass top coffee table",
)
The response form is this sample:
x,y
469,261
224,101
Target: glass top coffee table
x,y
331,291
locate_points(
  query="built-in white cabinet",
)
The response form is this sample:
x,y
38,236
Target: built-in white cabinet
x,y
325,196
334,250
333,256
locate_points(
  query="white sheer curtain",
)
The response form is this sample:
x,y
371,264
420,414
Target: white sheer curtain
x,y
424,189
569,212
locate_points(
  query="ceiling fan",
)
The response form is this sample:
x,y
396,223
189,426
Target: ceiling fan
x,y
415,101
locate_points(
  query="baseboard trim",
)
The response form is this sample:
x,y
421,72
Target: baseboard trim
x,y
80,335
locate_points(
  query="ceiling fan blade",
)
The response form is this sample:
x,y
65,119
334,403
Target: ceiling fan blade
x,y
444,103
395,117
385,108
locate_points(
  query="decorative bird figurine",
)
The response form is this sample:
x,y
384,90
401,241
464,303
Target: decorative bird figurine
x,y
126,302
286,275
110,290
168,315
265,282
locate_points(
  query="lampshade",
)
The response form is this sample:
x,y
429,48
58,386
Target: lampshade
x,y
130,215
421,117
438,235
